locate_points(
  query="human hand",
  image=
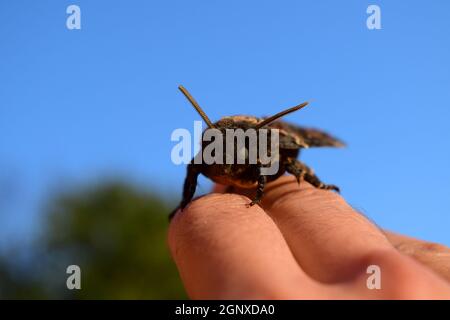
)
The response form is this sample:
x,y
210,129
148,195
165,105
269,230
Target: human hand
x,y
302,243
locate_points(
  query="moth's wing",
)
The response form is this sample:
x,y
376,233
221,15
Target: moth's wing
x,y
318,138
310,136
290,141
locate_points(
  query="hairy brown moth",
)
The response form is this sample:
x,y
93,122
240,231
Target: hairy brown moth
x,y
292,138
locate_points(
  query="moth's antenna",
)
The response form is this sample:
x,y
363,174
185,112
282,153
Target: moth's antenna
x,y
280,114
196,106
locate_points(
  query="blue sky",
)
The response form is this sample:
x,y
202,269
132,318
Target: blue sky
x,y
78,106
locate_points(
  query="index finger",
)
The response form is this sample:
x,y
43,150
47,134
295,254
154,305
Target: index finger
x,y
223,249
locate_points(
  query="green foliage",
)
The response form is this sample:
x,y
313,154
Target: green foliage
x,y
116,234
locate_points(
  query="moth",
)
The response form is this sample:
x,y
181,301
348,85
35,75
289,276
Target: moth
x,y
291,137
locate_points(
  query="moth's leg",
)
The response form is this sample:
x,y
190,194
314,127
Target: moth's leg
x,y
262,180
296,168
315,181
301,170
190,184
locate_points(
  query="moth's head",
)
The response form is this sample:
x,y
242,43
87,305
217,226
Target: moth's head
x,y
231,150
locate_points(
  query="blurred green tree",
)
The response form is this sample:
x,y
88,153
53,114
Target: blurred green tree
x,y
116,234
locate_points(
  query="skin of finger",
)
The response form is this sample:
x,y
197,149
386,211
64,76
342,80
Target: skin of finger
x,y
400,277
433,255
225,250
329,239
